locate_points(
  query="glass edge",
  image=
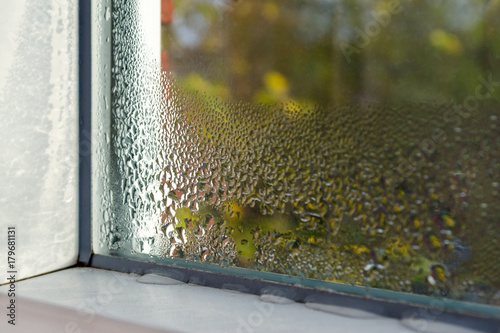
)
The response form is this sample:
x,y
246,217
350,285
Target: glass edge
x,y
100,29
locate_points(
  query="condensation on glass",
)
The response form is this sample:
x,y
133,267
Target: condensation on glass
x,y
347,141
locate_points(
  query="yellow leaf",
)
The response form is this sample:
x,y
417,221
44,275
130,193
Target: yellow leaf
x,y
435,242
449,221
440,274
446,42
277,83
360,249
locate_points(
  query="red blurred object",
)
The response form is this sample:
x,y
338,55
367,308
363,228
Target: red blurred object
x,y
164,60
167,11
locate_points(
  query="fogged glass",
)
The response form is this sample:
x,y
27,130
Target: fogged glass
x,y
347,141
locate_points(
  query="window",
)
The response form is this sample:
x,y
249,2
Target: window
x,y
309,142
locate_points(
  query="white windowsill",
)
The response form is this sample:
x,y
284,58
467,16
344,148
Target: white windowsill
x,y
95,300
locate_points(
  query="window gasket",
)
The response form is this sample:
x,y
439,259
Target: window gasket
x,y
85,131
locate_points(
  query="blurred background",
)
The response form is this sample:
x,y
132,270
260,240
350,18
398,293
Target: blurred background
x,y
332,51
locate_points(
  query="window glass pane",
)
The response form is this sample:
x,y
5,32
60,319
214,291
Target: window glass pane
x,y
346,141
